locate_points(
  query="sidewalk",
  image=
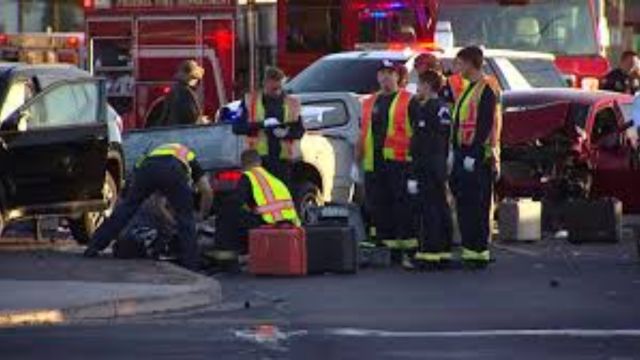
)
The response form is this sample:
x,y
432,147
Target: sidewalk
x,y
55,287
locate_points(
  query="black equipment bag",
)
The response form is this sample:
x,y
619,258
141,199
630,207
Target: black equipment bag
x,y
331,249
594,220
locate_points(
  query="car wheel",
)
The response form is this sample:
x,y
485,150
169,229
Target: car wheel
x,y
83,227
307,195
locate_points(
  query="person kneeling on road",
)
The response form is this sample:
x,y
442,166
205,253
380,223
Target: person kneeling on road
x,y
431,124
172,171
261,199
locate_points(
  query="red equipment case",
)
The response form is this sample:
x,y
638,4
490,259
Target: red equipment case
x,y
278,250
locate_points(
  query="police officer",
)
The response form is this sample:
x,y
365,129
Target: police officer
x,y
431,124
271,119
626,78
261,199
169,170
384,151
476,157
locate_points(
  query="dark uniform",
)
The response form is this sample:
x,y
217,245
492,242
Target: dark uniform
x,y
171,177
619,81
431,125
274,108
473,190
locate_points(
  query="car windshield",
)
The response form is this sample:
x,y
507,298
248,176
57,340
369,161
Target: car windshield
x,y
560,27
337,75
539,73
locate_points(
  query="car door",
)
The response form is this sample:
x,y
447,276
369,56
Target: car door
x,y
54,148
332,123
615,173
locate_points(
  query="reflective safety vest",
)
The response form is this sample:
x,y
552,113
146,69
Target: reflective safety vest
x,y
179,151
466,111
398,138
457,84
273,200
255,106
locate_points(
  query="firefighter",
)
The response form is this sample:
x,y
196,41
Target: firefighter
x,y
260,199
626,77
456,83
476,157
173,171
383,150
271,119
431,124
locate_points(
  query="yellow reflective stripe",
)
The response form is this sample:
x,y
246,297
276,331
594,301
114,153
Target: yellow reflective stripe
x,y
222,254
468,254
424,256
401,244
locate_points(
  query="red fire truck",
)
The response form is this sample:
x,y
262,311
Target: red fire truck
x,y
308,29
138,44
567,28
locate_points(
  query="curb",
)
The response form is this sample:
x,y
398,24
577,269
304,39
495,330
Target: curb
x,y
204,291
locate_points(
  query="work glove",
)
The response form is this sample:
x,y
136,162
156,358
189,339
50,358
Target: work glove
x,y
271,122
355,173
412,186
280,133
469,163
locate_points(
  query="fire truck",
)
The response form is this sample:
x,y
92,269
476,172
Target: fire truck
x,y
137,45
43,47
308,29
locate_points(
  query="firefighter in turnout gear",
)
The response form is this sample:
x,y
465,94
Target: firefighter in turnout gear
x,y
271,120
260,198
170,170
476,156
383,150
431,124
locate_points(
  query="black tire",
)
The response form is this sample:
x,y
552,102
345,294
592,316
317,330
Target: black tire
x,y
306,194
82,228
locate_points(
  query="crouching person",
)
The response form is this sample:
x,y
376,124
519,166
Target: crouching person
x,y
260,199
172,171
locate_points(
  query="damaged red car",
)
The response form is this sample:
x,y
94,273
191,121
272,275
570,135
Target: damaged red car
x,y
559,144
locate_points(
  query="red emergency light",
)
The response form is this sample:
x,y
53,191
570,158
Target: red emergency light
x,y
221,38
73,42
4,39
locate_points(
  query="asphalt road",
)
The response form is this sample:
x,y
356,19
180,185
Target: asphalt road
x,y
545,301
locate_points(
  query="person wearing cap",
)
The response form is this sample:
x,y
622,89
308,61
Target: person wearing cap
x,y
271,120
477,123
383,150
182,105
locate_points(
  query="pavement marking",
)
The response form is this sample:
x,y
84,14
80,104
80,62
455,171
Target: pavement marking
x,y
31,318
583,333
515,250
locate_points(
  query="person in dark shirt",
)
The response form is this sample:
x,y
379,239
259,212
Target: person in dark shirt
x,y
429,62
182,105
626,78
476,134
383,150
271,121
431,125
172,171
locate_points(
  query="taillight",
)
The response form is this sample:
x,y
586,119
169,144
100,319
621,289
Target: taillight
x,y
229,176
4,39
73,42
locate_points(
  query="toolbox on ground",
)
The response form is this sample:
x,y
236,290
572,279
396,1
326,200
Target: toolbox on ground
x,y
331,248
278,250
594,220
339,214
520,220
